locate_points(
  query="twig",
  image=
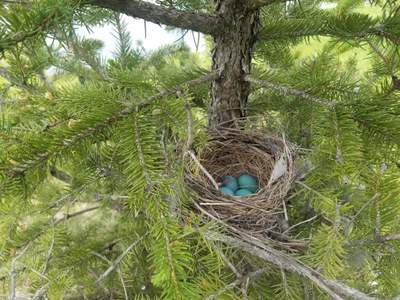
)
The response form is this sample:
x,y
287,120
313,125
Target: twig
x,y
302,222
381,55
13,273
33,270
286,90
191,153
374,197
118,271
237,282
225,259
374,240
50,249
311,189
123,283
339,154
39,291
140,150
81,212
189,142
287,246
174,90
116,263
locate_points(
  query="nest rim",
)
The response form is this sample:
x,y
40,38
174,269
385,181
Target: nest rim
x,y
234,151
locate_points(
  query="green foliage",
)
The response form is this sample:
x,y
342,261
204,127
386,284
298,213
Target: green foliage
x,y
93,199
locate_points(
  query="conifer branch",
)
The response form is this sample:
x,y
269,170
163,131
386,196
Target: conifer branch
x,y
147,11
67,143
202,79
290,91
43,157
335,290
13,40
372,31
378,130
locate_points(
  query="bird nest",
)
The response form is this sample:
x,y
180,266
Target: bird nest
x,y
265,156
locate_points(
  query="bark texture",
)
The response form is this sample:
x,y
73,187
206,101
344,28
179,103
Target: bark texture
x,y
232,61
195,21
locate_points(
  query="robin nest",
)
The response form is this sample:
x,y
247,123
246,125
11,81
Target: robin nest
x,y
231,151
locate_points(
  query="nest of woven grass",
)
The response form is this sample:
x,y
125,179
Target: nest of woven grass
x,y
231,151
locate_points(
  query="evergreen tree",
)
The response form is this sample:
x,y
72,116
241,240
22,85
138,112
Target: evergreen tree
x,y
93,198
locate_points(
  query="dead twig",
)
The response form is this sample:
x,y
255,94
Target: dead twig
x,y
204,170
117,262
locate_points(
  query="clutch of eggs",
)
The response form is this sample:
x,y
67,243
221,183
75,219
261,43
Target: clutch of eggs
x,y
243,186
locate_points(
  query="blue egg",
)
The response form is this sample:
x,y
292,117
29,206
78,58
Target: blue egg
x,y
230,182
242,192
225,190
248,182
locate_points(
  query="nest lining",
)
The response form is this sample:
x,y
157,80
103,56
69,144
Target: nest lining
x,y
235,152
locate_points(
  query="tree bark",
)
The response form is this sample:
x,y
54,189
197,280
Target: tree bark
x,y
231,60
196,21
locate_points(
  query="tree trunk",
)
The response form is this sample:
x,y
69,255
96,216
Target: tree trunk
x,y
231,58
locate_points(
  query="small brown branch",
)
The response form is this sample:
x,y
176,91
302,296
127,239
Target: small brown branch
x,y
286,90
78,213
196,21
119,259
